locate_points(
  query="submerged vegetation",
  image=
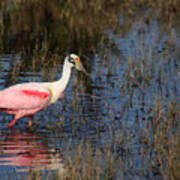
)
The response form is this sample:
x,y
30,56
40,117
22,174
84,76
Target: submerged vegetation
x,y
125,124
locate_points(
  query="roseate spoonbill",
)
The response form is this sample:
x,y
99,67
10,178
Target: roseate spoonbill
x,y
28,98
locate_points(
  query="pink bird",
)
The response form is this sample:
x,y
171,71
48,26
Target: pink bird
x,y
28,98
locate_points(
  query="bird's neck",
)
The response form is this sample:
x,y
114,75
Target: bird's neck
x,y
65,76
61,84
58,87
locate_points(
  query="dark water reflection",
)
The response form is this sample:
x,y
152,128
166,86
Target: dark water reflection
x,y
129,78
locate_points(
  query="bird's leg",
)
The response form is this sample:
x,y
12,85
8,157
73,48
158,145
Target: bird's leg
x,y
30,121
12,122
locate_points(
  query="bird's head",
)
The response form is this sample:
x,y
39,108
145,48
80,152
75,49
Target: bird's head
x,y
74,60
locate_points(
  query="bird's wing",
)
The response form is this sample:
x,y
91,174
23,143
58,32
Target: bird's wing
x,y
24,96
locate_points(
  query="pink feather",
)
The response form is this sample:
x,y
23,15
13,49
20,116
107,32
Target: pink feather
x,y
23,100
23,96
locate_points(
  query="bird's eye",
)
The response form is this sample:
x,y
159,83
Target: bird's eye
x,y
71,60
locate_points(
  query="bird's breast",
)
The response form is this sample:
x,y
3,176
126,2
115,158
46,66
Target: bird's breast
x,y
54,95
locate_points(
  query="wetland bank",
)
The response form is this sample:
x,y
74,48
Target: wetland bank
x,y
123,123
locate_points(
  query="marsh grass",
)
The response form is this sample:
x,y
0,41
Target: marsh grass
x,y
166,143
26,26
137,131
159,155
139,138
62,24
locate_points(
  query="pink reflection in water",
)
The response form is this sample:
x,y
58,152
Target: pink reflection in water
x,y
25,152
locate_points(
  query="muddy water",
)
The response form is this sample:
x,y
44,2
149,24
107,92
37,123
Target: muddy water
x,y
131,75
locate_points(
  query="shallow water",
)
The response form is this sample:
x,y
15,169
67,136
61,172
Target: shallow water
x,y
129,78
